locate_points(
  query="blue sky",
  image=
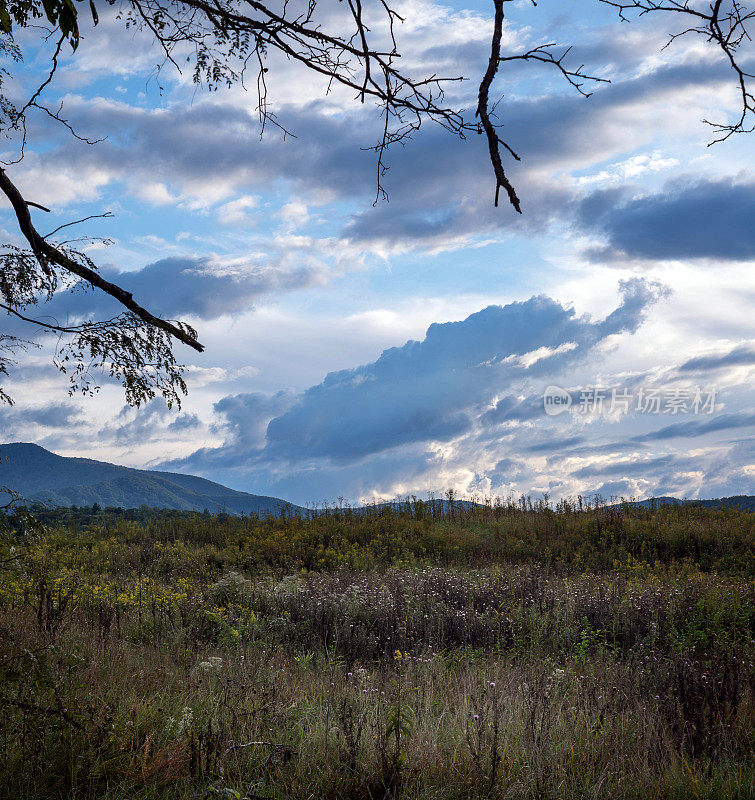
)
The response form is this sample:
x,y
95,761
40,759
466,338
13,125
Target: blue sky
x,y
357,350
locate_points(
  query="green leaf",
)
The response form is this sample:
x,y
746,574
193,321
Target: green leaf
x,y
5,21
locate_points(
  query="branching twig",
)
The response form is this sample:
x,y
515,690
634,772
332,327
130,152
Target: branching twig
x,y
725,24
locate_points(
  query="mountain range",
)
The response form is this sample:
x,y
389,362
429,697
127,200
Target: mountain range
x,y
39,475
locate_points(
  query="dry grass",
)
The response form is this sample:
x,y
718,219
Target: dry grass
x,y
123,678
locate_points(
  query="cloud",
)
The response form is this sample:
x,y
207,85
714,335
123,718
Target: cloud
x,y
238,211
185,422
688,219
462,406
642,468
699,427
440,187
629,169
433,389
209,288
413,402
551,444
742,355
293,215
508,471
56,415
512,408
132,426
247,417
152,422
206,287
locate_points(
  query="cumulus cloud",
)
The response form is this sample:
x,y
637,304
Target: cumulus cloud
x,y
434,389
151,422
246,417
238,211
222,162
459,382
462,406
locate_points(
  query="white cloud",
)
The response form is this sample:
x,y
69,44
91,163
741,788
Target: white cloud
x,y
236,212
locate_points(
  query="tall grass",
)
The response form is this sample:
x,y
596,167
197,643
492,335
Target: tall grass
x,y
408,652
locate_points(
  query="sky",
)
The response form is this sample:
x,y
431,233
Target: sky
x,y
602,342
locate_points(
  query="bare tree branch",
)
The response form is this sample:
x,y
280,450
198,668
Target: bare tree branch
x,y
483,112
545,55
105,215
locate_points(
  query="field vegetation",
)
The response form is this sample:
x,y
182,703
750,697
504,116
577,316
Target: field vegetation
x,y
414,650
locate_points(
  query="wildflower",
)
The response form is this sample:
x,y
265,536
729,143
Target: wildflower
x,y
187,718
214,662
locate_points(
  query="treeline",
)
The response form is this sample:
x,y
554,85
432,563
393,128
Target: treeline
x,y
581,536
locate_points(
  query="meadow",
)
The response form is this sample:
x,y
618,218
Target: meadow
x,y
415,650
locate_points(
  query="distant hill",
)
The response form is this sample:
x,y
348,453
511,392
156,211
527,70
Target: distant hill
x,y
741,502
37,474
